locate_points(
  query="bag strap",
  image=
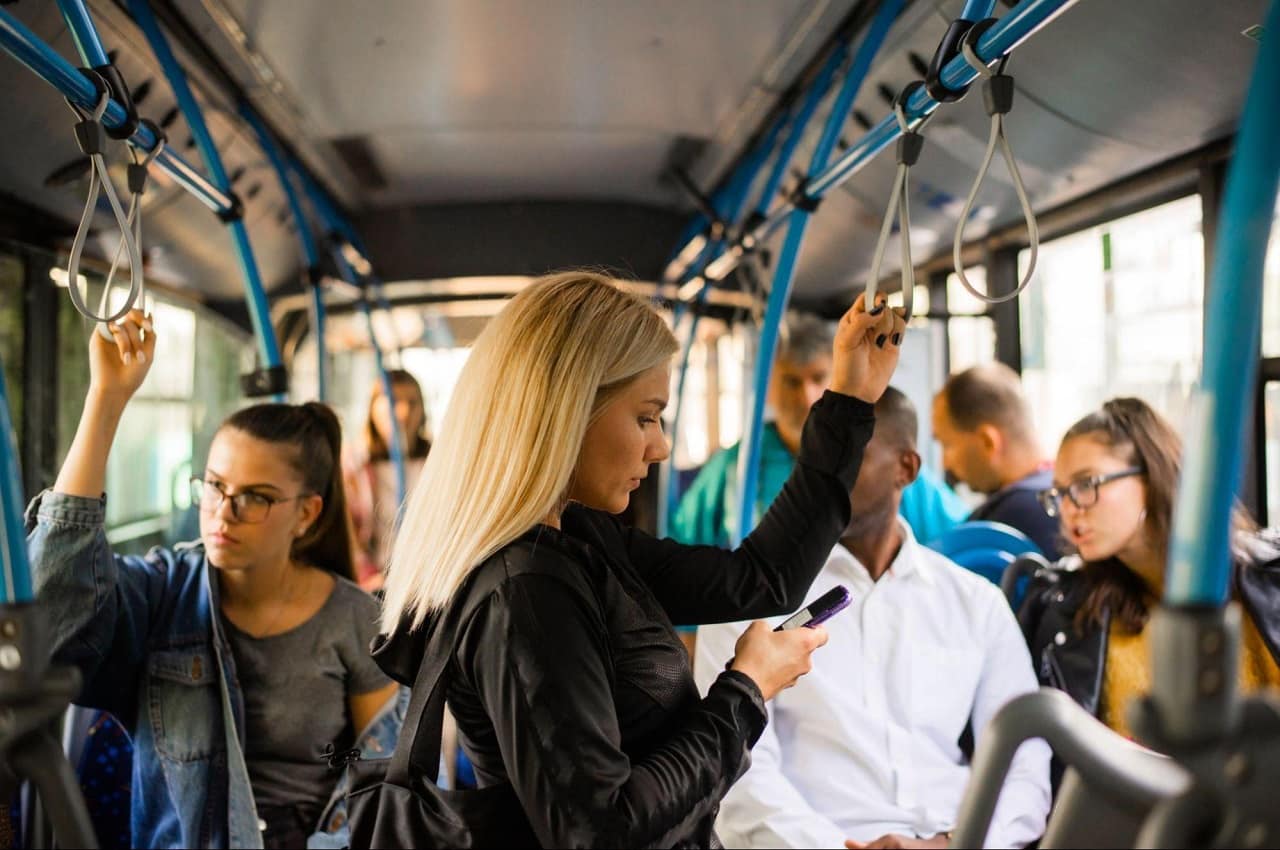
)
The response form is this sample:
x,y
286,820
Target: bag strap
x,y
424,718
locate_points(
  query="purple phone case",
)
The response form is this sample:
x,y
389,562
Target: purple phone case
x,y
820,610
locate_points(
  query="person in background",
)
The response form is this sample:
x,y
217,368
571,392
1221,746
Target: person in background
x,y
867,747
983,422
211,653
801,372
1114,486
370,476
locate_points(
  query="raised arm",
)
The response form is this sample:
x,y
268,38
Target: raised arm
x,y
773,568
100,607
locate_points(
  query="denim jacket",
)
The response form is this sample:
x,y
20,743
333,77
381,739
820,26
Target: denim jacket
x,y
143,634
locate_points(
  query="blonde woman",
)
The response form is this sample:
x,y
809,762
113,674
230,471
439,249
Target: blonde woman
x,y
568,681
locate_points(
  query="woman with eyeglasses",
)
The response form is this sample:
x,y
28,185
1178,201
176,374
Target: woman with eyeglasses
x,y
235,661
1115,485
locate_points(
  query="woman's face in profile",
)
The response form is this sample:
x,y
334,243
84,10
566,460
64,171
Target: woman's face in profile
x,y
622,443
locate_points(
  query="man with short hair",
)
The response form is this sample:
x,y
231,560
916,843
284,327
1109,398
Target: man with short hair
x,y
983,422
708,512
871,745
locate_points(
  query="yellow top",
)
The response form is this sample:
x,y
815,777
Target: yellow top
x,y
1127,674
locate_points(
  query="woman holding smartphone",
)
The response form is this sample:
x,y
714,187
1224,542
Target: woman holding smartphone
x,y
568,681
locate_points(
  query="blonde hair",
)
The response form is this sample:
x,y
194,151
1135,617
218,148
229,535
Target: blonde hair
x,y
538,375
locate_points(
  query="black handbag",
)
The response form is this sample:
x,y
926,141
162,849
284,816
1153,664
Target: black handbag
x,y
388,806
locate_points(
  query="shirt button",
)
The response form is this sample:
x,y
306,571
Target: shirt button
x,y
262,825
1060,638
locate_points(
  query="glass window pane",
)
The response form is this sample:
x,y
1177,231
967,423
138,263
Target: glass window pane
x,y
1115,310
960,299
1271,451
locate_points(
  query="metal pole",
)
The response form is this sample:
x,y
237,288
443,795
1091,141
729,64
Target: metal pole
x,y
255,295
784,277
15,574
728,204
24,46
1007,34
1199,554
84,33
305,237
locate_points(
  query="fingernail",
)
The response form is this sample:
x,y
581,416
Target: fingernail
x,y
128,358
142,357
879,341
878,310
897,339
146,326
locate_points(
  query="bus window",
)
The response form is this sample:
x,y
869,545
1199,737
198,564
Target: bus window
x,y
972,337
175,411
1271,295
1115,310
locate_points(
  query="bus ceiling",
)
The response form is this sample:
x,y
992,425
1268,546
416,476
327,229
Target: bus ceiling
x,y
469,139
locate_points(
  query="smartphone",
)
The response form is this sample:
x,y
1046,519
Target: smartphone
x,y
819,610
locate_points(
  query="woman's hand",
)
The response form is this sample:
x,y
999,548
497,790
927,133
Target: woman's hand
x,y
776,660
118,368
866,348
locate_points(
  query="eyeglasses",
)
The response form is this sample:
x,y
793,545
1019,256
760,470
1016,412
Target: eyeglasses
x,y
247,507
1083,493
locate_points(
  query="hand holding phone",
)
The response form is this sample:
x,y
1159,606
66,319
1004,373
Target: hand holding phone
x,y
820,610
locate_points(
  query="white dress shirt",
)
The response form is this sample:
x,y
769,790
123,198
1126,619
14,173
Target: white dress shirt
x,y
866,744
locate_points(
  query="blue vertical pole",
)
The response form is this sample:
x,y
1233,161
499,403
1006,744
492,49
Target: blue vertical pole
x,y
255,294
728,204
1199,571
309,251
15,573
395,450
84,33
780,295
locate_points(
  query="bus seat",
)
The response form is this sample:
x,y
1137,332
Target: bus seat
x,y
1014,580
985,548
1116,781
101,752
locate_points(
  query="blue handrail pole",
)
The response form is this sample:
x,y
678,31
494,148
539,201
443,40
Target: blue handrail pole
x,y
336,222
784,276
45,62
305,237
84,33
396,449
728,203
976,10
1199,569
1019,24
15,573
255,294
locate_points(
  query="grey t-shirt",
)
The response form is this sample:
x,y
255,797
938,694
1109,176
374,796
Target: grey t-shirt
x,y
295,687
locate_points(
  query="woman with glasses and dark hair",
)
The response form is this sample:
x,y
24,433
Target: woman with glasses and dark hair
x,y
1115,485
236,661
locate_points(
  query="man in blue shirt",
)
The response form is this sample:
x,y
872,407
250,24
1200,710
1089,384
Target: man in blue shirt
x,y
801,372
983,421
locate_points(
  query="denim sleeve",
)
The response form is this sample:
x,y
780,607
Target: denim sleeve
x,y
100,608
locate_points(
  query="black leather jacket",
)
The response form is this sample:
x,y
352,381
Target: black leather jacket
x,y
1073,662
571,684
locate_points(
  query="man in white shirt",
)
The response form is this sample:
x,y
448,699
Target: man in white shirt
x,y
866,747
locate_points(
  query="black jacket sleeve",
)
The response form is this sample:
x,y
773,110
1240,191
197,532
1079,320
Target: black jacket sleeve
x,y
771,571
537,655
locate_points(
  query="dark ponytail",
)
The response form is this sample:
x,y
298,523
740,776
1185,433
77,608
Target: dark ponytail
x,y
313,431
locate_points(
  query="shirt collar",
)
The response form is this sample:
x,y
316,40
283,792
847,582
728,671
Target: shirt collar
x,y
909,561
